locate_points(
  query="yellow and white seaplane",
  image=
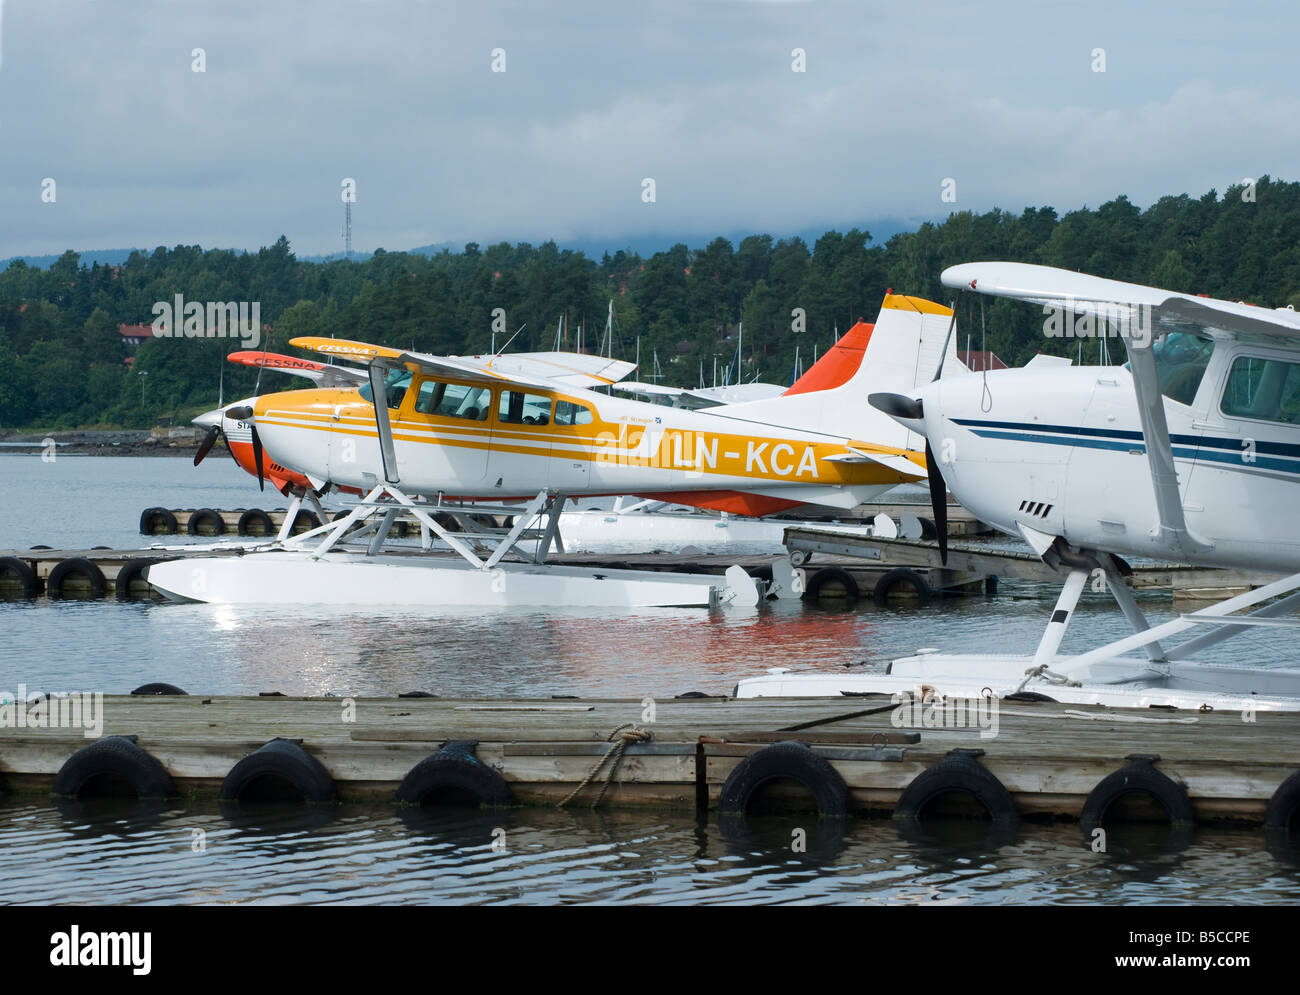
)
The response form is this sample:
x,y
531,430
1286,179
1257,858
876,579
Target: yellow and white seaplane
x,y
458,432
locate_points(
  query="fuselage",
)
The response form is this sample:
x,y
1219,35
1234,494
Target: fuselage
x,y
1060,450
509,441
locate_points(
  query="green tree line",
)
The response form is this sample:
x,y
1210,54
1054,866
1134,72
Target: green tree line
x,y
62,358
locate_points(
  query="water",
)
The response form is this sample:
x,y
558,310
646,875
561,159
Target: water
x,y
107,852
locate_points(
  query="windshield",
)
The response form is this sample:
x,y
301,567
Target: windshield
x,y
395,383
1181,359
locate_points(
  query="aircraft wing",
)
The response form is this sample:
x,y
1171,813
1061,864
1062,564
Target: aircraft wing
x,y
1081,292
547,371
704,397
1141,311
649,389
321,374
571,369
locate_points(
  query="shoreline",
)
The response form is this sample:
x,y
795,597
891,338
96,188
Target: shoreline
x,y
110,442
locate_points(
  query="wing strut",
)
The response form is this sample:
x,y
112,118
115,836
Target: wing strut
x,y
1172,524
379,395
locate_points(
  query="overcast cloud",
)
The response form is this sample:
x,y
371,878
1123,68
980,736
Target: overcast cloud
x,y
697,94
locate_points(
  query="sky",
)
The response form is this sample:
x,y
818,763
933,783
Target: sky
x,y
1002,100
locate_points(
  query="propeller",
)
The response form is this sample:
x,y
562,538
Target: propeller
x,y
206,445
898,406
244,413
938,501
933,475
910,412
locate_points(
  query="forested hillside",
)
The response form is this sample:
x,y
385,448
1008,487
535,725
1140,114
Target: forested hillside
x,y
62,357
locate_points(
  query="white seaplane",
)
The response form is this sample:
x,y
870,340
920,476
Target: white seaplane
x,y
455,432
1191,452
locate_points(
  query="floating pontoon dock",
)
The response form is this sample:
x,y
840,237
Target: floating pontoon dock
x,y
691,752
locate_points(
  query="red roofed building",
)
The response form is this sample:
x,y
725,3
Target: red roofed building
x,y
135,334
978,361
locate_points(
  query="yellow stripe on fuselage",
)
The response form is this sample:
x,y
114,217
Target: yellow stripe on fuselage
x,y
634,445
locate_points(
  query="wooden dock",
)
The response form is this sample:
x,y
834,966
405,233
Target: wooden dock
x,y
842,569
966,561
258,522
680,753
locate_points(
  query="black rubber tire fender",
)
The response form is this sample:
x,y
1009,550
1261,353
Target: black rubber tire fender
x,y
118,756
128,572
901,575
304,521
458,768
29,584
812,590
286,760
1138,776
150,518
246,520
75,565
209,516
157,688
1284,805
789,759
958,772
1027,696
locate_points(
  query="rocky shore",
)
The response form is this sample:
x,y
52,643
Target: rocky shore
x,y
121,442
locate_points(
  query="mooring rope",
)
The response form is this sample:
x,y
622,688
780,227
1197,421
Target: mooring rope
x,y
1048,676
619,741
1120,717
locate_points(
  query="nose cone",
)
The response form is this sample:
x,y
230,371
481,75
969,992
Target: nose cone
x,y
209,419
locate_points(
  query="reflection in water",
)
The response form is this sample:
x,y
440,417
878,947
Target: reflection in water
x,y
109,851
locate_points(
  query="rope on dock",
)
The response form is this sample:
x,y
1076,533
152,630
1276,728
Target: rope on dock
x,y
1048,676
1121,717
619,741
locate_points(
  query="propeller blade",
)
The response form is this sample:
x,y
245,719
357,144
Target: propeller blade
x,y
206,445
257,460
938,501
897,405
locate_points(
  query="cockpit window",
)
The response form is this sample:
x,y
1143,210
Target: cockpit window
x,y
454,400
1263,389
1181,359
396,384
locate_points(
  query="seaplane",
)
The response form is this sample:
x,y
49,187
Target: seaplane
x,y
1190,452
245,448
427,435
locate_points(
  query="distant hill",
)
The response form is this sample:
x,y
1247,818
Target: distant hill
x,y
645,245
108,257
882,229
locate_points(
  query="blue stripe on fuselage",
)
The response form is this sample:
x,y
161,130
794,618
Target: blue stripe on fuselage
x,y
1227,452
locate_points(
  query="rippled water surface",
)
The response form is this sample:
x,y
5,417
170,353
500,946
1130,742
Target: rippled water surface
x,y
107,853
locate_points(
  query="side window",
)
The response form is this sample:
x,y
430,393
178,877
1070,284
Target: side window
x,y
1263,389
568,413
454,400
518,408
